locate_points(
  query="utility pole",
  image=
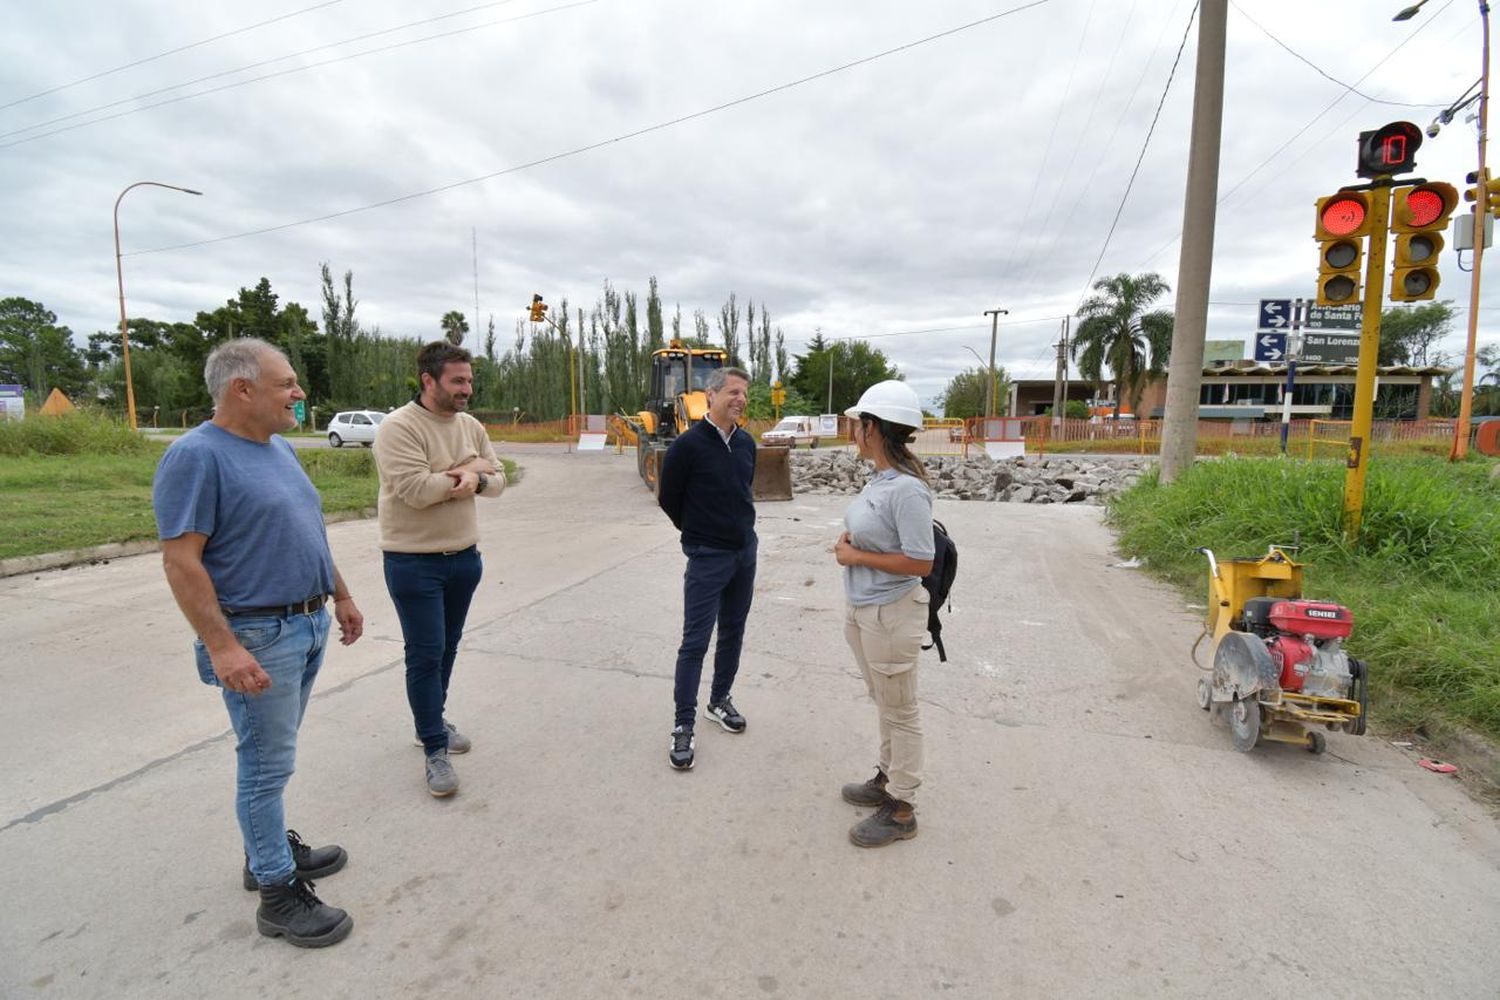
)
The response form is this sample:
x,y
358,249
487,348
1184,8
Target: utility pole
x,y
989,405
1293,346
1466,401
1060,383
1179,437
830,379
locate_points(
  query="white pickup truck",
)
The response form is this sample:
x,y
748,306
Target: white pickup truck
x,y
791,432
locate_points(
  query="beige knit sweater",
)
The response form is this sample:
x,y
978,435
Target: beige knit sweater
x,y
413,451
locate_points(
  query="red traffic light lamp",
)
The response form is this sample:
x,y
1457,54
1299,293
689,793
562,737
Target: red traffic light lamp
x,y
1343,221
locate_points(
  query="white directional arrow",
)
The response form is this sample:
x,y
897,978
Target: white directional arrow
x,y
1272,319
1272,347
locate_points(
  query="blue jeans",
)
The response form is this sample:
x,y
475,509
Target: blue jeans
x,y
716,587
290,650
431,592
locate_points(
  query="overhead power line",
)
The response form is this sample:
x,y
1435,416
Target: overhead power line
x,y
1327,76
1312,121
579,150
170,52
1140,159
279,73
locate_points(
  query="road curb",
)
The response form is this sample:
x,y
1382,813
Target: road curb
x,y
44,561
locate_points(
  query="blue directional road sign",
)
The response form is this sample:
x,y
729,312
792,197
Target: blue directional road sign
x,y
1275,314
1270,347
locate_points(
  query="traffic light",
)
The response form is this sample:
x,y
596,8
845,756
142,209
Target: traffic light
x,y
1342,224
1418,217
1485,191
538,309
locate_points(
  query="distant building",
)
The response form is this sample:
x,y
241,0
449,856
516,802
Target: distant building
x,y
1252,390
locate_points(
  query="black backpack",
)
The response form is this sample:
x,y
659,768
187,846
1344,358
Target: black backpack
x,y
938,583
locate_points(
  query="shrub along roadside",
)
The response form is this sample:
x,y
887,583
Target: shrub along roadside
x,y
55,502
1420,581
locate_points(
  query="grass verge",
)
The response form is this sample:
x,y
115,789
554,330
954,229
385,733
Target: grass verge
x,y
51,503
1420,581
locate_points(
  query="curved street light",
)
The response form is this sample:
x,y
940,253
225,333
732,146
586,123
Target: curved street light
x,y
120,277
1461,426
994,380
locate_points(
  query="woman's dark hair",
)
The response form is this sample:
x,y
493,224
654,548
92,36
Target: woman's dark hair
x,y
896,438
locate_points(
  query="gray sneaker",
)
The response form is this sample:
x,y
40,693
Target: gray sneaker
x,y
441,780
457,741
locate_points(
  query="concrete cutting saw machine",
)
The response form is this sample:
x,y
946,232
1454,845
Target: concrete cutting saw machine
x,y
1279,670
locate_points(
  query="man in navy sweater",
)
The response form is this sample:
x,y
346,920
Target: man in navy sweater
x,y
705,490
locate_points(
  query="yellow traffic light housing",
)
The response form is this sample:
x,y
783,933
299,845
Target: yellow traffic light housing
x,y
538,309
1343,221
1418,217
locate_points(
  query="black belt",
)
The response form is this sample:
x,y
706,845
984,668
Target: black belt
x,y
306,607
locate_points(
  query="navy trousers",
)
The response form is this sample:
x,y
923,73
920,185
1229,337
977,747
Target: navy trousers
x,y
716,589
431,592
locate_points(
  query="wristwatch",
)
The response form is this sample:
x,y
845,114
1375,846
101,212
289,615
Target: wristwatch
x,y
483,482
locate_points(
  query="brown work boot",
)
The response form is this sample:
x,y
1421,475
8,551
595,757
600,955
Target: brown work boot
x,y
894,820
867,793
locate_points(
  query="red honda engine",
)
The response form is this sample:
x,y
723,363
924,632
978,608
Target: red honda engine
x,y
1305,640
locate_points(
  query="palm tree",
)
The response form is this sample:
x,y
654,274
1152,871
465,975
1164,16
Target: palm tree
x,y
1115,330
455,327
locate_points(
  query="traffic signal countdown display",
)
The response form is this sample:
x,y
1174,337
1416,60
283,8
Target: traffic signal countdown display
x,y
1418,217
1343,223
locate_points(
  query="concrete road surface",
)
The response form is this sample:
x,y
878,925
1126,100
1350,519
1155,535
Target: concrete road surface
x,y
1085,830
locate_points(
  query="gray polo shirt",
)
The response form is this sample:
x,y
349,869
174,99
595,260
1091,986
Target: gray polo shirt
x,y
893,513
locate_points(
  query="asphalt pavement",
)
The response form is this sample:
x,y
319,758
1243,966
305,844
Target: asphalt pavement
x,y
1085,831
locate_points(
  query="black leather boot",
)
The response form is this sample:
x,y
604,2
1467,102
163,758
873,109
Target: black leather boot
x,y
867,793
294,911
311,862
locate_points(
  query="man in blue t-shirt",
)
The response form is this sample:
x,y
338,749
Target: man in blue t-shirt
x,y
247,558
705,490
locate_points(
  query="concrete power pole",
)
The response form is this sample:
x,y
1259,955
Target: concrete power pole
x,y
1060,382
1179,437
994,315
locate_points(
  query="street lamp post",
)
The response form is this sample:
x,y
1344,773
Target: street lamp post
x,y
120,277
1461,427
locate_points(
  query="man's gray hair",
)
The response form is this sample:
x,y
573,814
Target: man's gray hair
x,y
239,358
718,375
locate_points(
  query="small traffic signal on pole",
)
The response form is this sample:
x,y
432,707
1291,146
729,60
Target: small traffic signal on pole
x,y
1418,217
1343,222
1483,190
538,309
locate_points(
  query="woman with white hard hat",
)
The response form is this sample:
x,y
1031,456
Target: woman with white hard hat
x,y
886,549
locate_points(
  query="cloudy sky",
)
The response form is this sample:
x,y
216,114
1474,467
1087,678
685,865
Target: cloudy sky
x,y
832,159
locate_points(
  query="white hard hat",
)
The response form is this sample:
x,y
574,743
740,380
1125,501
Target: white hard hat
x,y
891,401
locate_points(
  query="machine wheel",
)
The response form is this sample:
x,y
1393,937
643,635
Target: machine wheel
x,y
642,446
1361,674
1205,694
335,441
1244,723
812,444
655,454
1316,742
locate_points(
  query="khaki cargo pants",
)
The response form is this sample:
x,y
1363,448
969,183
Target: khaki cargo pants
x,y
886,640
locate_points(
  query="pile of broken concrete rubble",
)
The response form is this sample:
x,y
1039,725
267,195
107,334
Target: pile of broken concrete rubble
x,y
977,477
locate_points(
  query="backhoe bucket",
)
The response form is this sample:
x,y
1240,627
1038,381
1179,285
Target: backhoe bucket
x,y
773,474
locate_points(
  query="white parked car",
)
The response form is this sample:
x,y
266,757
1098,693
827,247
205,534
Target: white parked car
x,y
354,426
791,432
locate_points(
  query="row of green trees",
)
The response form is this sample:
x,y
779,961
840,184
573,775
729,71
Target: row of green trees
x,y
598,358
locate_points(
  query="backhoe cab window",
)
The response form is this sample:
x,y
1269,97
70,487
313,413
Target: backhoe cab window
x,y
701,369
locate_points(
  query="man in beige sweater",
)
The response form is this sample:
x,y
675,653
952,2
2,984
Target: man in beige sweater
x,y
434,459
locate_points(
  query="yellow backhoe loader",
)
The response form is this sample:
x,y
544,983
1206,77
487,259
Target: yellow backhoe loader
x,y
676,399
